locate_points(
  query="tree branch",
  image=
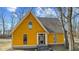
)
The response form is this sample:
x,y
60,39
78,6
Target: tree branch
x,y
60,9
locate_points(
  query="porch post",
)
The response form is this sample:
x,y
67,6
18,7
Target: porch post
x,y
46,38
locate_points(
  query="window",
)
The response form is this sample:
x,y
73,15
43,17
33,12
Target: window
x,y
30,25
25,39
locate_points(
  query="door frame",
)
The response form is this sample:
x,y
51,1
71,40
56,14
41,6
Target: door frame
x,y
45,37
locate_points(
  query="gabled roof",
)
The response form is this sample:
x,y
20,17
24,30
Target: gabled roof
x,y
48,24
51,24
24,19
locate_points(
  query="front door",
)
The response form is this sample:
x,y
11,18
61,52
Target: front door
x,y
41,39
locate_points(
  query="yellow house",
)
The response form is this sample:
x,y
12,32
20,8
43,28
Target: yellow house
x,y
33,31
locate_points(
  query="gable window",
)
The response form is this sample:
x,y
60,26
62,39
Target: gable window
x,y
25,39
30,25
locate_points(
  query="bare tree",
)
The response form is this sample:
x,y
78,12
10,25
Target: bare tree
x,y
3,20
12,20
62,19
70,31
20,12
69,25
75,21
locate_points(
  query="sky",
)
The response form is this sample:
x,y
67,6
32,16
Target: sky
x,y
15,13
10,12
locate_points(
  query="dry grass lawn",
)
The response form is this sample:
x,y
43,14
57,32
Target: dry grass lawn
x,y
5,44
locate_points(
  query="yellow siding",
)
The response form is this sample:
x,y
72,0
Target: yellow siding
x,y
50,38
17,35
23,29
60,38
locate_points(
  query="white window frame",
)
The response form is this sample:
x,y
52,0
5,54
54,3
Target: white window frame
x,y
45,37
29,25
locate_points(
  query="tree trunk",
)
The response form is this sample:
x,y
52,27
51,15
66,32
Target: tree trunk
x,y
12,23
70,32
66,40
3,26
65,32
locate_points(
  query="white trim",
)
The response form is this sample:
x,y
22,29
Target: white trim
x,y
24,46
45,37
55,43
37,39
24,19
39,22
20,22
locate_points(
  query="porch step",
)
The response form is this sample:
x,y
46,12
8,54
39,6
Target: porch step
x,y
42,47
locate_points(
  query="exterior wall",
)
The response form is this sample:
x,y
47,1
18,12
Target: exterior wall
x,y
50,38
17,35
23,29
59,38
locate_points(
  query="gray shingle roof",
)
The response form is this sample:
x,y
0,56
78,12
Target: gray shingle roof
x,y
51,24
